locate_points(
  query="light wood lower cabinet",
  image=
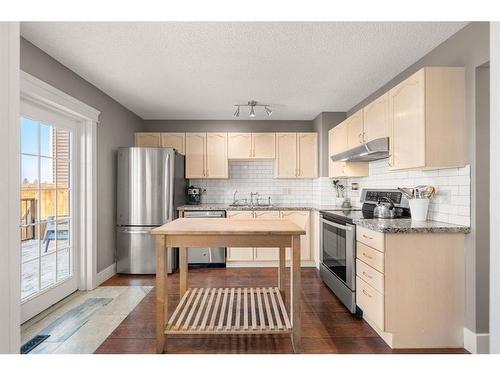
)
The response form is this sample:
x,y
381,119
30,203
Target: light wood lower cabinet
x,y
266,253
240,254
410,287
249,255
301,218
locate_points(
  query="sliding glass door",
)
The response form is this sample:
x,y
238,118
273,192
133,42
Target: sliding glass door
x,y
49,212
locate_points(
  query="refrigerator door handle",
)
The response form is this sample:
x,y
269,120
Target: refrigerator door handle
x,y
131,231
167,189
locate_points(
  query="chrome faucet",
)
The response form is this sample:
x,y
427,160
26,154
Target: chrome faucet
x,y
256,194
234,197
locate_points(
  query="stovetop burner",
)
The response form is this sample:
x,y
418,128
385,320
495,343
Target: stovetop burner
x,y
369,198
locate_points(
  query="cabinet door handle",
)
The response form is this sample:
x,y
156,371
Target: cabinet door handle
x,y
367,256
367,275
367,294
360,140
365,236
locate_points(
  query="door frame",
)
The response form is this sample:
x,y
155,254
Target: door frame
x,y
35,90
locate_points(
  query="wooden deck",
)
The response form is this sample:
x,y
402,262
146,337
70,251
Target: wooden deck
x,y
30,268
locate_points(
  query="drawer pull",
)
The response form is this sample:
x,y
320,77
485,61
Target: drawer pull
x,y
367,294
367,256
365,236
367,275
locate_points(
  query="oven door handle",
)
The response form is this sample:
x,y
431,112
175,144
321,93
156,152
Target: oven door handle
x,y
333,224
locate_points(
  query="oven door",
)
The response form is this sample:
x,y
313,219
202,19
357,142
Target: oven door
x,y
338,250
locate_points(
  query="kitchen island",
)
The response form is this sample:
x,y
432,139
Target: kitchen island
x,y
231,310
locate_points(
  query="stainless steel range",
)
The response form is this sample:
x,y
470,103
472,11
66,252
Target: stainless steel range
x,y
338,240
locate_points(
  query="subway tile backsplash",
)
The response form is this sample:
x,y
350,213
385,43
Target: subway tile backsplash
x,y
451,203
452,200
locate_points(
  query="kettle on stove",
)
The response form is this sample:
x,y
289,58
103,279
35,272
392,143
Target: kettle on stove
x,y
384,210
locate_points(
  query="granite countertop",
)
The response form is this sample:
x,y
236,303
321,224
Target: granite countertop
x,y
410,226
222,206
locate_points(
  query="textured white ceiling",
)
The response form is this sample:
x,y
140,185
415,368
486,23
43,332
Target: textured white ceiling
x,y
179,70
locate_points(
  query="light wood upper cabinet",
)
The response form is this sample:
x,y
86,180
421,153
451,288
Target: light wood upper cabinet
x,y
263,145
251,145
206,155
376,121
147,140
354,125
175,140
301,218
195,155
296,155
337,137
240,253
427,112
307,155
239,145
339,169
286,155
216,155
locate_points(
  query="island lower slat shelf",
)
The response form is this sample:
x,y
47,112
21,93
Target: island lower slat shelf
x,y
230,311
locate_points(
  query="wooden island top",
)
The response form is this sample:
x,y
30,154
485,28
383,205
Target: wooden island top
x,y
224,226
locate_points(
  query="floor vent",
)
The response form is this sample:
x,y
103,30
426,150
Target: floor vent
x,y
33,343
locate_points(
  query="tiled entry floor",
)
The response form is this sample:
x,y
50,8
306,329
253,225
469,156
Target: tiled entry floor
x,y
81,322
327,326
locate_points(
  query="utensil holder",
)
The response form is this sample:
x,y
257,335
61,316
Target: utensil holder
x,y
419,208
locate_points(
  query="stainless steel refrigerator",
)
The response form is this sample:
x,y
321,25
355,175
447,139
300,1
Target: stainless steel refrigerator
x,y
150,186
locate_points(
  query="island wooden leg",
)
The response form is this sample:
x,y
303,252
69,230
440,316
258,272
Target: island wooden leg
x,y
161,293
281,270
295,293
183,265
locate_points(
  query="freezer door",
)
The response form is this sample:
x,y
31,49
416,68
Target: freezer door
x,y
136,251
145,186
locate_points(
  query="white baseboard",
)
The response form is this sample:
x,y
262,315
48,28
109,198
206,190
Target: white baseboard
x,y
476,343
106,274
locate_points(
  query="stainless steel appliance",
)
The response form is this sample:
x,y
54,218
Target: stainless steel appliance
x,y
193,195
150,185
208,257
372,150
338,241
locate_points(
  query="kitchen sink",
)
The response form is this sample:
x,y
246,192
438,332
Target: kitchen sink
x,y
251,205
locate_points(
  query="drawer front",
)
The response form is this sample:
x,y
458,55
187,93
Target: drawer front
x,y
371,302
370,275
370,238
370,256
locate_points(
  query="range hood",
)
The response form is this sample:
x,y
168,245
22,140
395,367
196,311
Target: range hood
x,y
373,150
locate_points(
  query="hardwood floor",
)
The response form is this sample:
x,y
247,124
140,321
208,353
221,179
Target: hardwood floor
x,y
327,326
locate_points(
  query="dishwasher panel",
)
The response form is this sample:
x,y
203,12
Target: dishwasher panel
x,y
205,256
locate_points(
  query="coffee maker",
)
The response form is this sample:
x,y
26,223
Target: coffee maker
x,y
193,195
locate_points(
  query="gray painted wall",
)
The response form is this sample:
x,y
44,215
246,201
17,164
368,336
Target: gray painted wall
x,y
468,48
322,124
116,129
226,126
482,198
494,183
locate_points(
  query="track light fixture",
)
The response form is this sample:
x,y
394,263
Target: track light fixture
x,y
252,104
